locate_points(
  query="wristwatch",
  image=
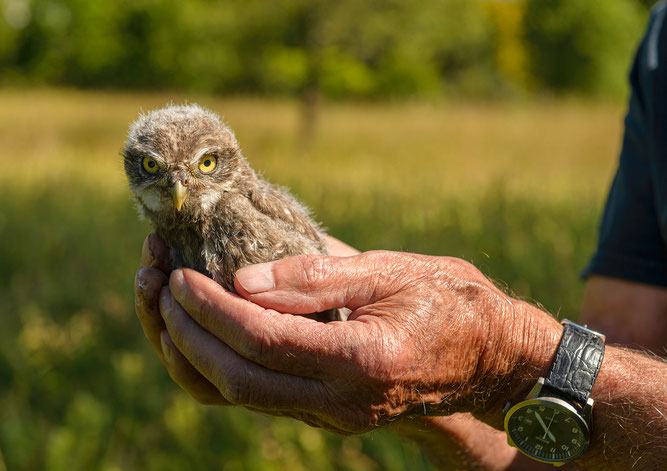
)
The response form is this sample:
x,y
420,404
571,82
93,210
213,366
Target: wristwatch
x,y
553,423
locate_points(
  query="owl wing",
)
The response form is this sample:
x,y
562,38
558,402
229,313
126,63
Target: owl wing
x,y
254,227
278,204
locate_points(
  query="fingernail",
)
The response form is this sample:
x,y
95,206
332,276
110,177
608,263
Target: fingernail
x,y
165,302
141,279
256,278
177,283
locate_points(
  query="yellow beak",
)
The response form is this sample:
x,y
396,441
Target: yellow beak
x,y
178,194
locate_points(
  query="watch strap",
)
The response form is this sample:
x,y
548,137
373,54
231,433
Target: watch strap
x,y
576,363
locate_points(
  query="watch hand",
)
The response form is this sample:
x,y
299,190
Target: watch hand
x,y
544,426
551,435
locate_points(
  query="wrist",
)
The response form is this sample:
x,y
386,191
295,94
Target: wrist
x,y
524,353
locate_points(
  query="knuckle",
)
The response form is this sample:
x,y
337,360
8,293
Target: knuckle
x,y
315,269
270,344
346,416
181,331
255,346
260,345
375,356
177,334
234,386
206,312
460,267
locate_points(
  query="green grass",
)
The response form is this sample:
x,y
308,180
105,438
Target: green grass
x,y
516,189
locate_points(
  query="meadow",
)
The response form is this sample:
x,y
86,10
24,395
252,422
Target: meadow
x,y
516,188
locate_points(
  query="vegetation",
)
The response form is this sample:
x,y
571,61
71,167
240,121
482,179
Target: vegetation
x,y
342,49
515,188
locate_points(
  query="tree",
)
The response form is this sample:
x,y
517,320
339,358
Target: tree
x,y
582,45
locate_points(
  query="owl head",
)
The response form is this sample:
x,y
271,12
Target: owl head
x,y
179,160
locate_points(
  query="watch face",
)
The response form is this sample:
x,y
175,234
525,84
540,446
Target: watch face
x,y
547,429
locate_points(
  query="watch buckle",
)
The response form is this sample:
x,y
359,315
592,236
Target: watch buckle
x,y
585,327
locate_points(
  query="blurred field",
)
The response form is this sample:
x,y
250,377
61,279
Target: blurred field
x,y
515,188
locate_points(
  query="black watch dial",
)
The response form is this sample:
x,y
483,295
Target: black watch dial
x,y
547,429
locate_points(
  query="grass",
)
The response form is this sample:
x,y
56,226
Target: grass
x,y
515,188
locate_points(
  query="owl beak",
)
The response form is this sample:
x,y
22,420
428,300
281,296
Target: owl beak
x,y
178,194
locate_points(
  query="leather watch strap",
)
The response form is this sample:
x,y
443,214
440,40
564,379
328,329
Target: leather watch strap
x,y
577,362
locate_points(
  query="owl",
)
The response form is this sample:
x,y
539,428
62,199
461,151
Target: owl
x,y
191,181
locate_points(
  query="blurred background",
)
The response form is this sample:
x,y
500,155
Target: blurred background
x,y
482,129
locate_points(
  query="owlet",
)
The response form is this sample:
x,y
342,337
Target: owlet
x,y
190,179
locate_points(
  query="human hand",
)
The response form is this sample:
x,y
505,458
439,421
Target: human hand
x,y
427,335
152,275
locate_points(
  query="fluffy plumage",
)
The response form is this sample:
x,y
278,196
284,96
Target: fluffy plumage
x,y
214,221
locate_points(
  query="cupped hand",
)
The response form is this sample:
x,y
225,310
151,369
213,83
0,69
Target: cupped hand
x,y
427,335
152,275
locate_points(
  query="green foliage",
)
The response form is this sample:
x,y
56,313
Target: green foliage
x,y
583,45
346,48
284,69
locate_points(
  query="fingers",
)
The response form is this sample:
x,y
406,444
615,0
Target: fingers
x,y
282,342
149,281
187,376
311,283
147,285
155,253
239,381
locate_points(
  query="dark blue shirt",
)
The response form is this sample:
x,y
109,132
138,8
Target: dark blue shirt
x,y
633,235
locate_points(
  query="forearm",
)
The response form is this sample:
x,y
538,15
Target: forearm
x,y
627,312
629,424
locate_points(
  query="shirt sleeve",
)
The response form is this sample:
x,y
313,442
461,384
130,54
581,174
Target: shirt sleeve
x,y
630,244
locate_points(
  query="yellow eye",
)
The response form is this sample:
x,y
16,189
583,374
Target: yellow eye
x,y
150,165
207,164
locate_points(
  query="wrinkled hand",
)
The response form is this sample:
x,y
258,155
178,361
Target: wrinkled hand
x,y
427,335
152,275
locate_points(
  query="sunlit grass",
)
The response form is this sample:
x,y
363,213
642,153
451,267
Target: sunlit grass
x,y
545,148
515,188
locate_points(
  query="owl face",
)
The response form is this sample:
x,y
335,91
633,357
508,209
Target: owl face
x,y
179,160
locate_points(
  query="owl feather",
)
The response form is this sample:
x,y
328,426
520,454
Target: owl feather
x,y
191,181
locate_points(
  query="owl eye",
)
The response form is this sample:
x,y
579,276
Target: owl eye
x,y
207,164
150,165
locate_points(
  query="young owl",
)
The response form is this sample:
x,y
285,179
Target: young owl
x,y
191,181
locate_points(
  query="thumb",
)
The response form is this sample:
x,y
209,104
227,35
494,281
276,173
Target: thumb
x,y
315,283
